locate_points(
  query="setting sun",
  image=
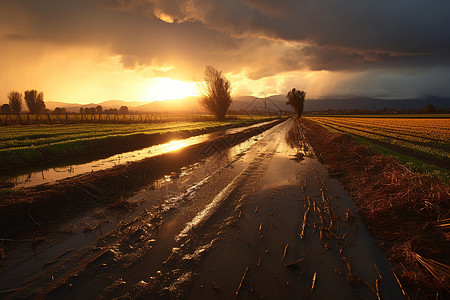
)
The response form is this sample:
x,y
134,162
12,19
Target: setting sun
x,y
166,88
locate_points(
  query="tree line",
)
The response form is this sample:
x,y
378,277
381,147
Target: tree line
x,y
123,110
34,100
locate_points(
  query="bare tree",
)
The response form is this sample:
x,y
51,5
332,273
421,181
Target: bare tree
x,y
216,91
15,101
35,101
296,99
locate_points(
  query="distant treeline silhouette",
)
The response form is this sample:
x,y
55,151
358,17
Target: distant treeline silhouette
x,y
429,109
103,118
36,105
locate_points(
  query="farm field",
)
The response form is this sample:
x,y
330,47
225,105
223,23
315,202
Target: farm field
x,y
406,210
423,143
233,217
25,145
75,118
210,206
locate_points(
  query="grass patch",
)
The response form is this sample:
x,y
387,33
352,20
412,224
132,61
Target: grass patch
x,y
410,162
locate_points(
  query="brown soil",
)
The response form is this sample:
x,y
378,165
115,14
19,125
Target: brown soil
x,y
400,207
40,207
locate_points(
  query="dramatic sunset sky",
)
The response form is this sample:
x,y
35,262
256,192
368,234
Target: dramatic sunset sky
x,y
93,50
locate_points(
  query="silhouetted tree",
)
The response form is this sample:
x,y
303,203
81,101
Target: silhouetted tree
x,y
81,110
99,109
5,109
123,110
35,101
112,111
429,109
216,91
15,101
296,99
59,111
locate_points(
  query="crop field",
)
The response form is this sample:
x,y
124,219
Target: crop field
x,y
74,118
26,136
422,142
23,145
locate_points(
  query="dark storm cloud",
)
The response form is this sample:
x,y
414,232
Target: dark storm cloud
x,y
244,34
368,32
16,37
317,58
126,28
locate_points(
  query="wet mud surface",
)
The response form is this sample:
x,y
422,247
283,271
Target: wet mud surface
x,y
261,219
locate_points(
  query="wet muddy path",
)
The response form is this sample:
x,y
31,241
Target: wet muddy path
x,y
259,220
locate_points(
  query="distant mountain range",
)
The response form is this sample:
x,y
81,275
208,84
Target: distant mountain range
x,y
75,107
254,104
361,103
278,103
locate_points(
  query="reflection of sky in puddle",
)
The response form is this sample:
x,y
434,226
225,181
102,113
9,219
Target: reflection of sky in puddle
x,y
175,145
54,174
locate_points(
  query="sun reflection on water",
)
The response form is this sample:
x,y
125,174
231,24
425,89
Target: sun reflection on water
x,y
175,145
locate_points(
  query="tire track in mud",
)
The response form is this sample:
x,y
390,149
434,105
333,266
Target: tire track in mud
x,y
149,239
251,248
172,275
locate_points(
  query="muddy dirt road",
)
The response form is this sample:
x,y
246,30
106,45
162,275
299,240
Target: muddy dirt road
x,y
259,220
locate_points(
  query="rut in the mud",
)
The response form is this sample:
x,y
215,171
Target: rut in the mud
x,y
256,221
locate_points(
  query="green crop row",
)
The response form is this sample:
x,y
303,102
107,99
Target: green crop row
x,y
26,146
13,137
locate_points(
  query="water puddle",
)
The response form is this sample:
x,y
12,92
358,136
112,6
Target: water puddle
x,y
54,174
